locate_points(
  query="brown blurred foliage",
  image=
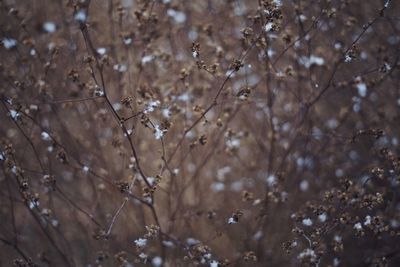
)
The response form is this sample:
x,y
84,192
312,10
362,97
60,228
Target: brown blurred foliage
x,y
199,133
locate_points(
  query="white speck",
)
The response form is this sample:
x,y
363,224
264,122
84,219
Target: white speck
x,y
233,143
178,16
141,242
151,105
232,220
337,238
184,97
214,263
237,186
322,217
217,187
309,253
158,132
55,223
307,222
2,157
278,3
14,114
339,173
357,226
143,256
362,89
367,220
49,26
308,61
332,123
85,168
258,235
337,45
271,180
9,43
195,54
387,3
45,136
336,262
347,58
33,204
101,50
304,185
127,41
166,113
191,241
80,16
32,52
222,172
120,67
147,59
168,243
156,261
268,26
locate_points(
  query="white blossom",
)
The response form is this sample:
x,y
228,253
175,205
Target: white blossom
x,y
232,220
158,132
45,136
150,106
9,43
357,226
367,220
307,222
80,16
322,217
49,26
141,242
101,50
157,261
178,16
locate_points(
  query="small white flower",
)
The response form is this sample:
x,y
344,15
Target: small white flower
x,y
309,253
45,136
367,220
14,114
120,67
49,26
322,217
156,261
304,185
101,50
217,187
362,89
80,16
150,107
33,204
147,59
232,220
214,263
141,242
195,54
271,180
9,43
347,58
307,222
85,168
357,226
268,26
158,132
127,41
178,16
